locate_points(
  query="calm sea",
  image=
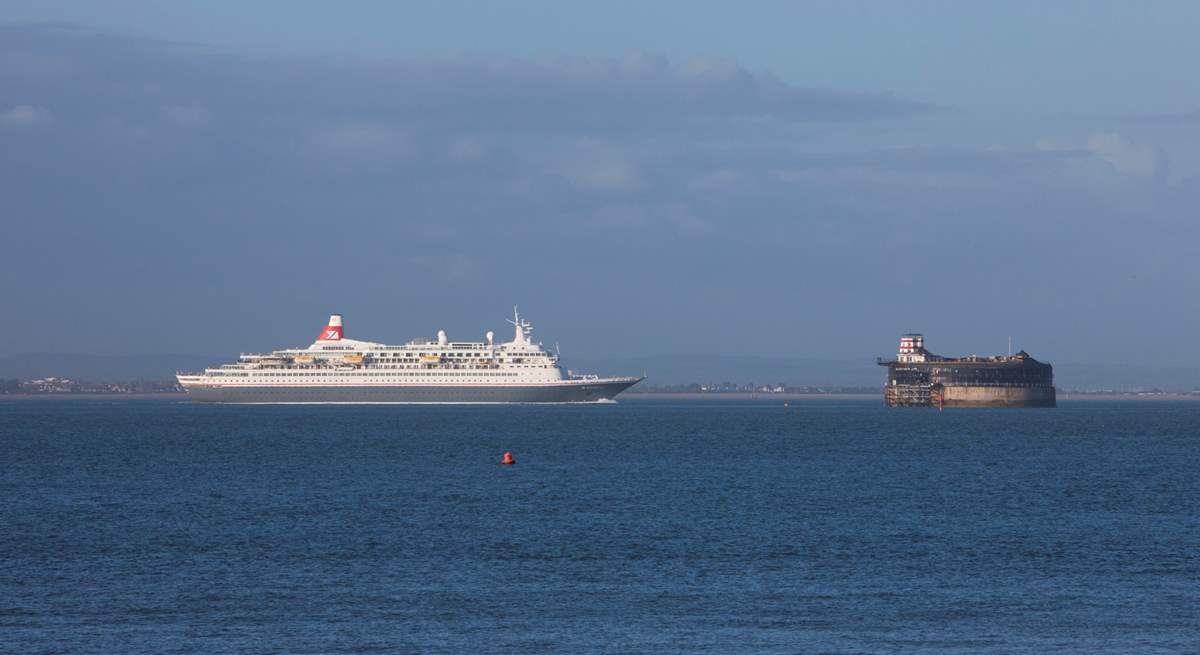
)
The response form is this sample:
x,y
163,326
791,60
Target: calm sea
x,y
152,526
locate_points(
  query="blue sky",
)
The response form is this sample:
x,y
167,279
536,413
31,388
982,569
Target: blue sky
x,y
810,179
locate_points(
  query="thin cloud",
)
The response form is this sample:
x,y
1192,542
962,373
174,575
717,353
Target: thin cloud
x,y
1130,158
1119,154
466,150
633,93
24,116
186,115
1165,118
592,166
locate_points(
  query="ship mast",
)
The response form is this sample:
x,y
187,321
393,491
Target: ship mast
x,y
521,328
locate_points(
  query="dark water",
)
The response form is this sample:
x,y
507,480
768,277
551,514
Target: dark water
x,y
830,526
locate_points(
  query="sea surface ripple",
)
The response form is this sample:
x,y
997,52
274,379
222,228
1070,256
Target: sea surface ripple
x,y
649,526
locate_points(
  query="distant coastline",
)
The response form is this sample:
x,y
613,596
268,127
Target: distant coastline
x,y
632,397
1132,395
58,386
743,396
37,397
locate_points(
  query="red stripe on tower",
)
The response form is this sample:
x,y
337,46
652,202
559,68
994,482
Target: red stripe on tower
x,y
333,331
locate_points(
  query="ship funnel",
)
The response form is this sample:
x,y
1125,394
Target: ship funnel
x,y
332,331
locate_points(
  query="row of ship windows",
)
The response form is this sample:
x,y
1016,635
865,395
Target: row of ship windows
x,y
412,355
371,370
455,361
366,374
372,367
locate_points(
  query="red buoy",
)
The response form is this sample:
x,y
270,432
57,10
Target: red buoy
x,y
508,459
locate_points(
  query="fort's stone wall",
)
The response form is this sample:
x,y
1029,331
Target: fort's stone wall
x,y
966,396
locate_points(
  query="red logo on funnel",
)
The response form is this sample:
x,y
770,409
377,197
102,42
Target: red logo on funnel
x,y
333,331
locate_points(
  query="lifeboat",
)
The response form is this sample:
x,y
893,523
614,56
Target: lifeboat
x,y
353,359
304,359
430,359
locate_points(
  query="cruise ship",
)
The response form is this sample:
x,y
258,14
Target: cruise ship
x,y
336,369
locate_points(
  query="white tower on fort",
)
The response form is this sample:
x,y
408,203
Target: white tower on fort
x,y
912,348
